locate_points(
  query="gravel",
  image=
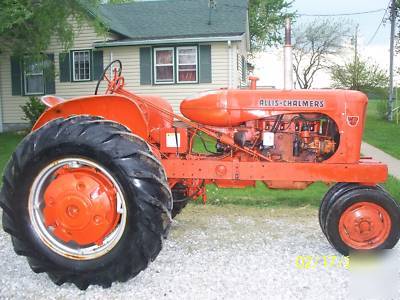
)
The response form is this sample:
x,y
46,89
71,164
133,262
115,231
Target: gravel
x,y
212,253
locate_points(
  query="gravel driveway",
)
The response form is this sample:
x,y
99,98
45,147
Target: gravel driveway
x,y
212,253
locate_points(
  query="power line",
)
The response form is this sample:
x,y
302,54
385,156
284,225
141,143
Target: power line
x,y
380,25
343,14
315,15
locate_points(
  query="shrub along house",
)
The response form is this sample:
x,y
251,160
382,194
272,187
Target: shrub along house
x,y
171,48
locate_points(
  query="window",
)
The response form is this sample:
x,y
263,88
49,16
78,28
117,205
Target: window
x,y
33,77
187,64
181,61
81,65
164,65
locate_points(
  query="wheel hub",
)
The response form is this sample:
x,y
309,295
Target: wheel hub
x,y
364,225
80,206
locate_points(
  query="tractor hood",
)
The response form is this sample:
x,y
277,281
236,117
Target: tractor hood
x,y
226,107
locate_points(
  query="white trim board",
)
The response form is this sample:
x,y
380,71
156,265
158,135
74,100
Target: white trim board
x,y
167,41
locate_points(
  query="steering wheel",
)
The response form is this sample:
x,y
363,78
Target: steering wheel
x,y
114,83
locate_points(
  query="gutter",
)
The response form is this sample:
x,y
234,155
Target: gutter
x,y
167,41
230,68
248,32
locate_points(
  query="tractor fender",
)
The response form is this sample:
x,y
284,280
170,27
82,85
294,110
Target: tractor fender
x,y
115,108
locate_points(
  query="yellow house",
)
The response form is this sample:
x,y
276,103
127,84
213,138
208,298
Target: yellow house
x,y
171,48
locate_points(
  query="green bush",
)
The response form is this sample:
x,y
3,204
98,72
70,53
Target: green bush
x,y
33,109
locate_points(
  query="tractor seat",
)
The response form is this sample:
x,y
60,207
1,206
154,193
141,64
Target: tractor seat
x,y
51,101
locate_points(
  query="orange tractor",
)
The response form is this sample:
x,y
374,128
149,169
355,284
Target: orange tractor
x,y
89,194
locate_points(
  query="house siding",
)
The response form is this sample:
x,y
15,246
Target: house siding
x,y
12,113
129,55
174,93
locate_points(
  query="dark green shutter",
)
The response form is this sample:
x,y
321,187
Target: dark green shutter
x,y
65,67
145,66
49,76
16,76
98,64
205,70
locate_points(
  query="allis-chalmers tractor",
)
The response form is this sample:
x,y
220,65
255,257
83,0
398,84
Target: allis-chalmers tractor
x,y
89,194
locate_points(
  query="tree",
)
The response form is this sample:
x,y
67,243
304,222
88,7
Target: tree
x,y
360,75
26,27
266,19
315,44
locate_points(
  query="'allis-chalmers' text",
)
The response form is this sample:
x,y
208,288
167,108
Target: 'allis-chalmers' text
x,y
292,103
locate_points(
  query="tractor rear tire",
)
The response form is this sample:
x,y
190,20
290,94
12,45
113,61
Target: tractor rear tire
x,y
363,219
139,187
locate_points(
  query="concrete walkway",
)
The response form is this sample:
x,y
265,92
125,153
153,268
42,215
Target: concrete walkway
x,y
379,155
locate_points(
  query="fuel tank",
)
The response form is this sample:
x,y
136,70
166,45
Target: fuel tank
x,y
231,107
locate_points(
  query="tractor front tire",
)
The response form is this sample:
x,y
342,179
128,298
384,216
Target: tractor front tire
x,y
334,193
363,219
328,199
86,202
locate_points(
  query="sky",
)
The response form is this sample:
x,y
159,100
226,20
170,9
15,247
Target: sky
x,y
269,65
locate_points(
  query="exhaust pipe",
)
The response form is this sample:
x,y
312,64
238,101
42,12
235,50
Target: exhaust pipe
x,y
288,57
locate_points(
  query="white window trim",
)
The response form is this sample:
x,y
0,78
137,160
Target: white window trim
x,y
26,86
73,65
164,65
195,48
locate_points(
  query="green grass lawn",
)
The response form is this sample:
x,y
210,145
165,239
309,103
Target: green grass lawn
x,y
261,196
8,142
377,132
381,134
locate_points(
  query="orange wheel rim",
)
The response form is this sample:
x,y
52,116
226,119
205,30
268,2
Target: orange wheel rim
x,y
80,204
364,226
77,208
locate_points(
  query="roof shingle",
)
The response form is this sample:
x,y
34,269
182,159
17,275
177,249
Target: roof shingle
x,y
176,18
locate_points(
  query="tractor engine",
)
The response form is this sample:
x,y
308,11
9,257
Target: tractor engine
x,y
292,126
290,138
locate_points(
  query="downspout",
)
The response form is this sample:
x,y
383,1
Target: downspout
x,y
1,108
230,54
111,59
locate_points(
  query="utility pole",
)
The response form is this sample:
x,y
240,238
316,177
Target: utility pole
x,y
288,56
355,57
356,45
393,15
